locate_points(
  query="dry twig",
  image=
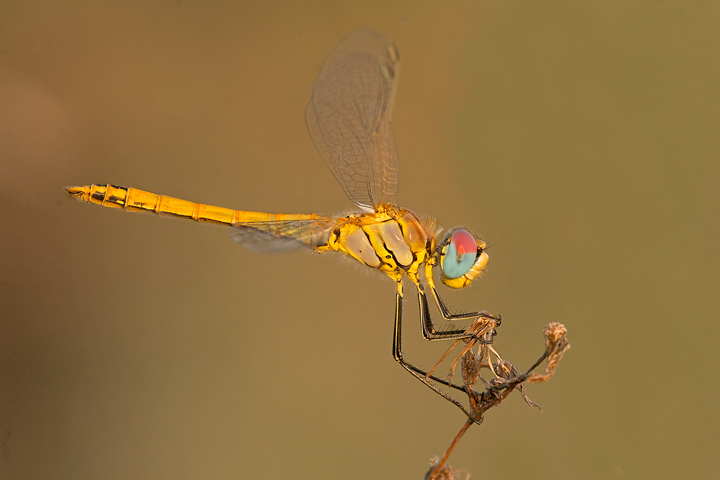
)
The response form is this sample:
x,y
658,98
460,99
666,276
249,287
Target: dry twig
x,y
507,379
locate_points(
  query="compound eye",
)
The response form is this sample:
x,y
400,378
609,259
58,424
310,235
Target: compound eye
x,y
459,255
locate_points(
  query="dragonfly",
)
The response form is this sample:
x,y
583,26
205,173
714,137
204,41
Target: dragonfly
x,y
348,118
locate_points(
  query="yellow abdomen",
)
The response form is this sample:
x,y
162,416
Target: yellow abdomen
x,y
134,200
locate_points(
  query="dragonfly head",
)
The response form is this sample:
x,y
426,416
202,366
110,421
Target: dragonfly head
x,y
462,258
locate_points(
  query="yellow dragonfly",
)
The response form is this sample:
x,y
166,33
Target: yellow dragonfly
x,y
348,118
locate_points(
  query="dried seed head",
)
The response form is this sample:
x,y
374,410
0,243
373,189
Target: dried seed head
x,y
470,368
554,333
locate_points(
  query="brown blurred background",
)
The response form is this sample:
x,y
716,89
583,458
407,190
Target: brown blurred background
x,y
580,139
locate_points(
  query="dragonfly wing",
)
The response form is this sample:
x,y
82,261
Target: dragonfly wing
x,y
348,118
283,235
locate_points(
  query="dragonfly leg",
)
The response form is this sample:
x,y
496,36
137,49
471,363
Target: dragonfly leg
x,y
441,305
415,371
428,329
483,333
422,375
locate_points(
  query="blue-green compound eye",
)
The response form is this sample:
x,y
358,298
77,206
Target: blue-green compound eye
x,y
459,255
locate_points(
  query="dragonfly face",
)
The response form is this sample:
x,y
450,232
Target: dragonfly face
x,y
348,119
462,258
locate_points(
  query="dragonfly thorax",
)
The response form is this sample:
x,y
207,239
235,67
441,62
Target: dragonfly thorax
x,y
391,240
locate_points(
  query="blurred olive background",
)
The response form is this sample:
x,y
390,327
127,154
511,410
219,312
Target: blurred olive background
x,y
579,139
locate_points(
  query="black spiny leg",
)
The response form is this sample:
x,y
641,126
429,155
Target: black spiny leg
x,y
431,334
441,305
416,372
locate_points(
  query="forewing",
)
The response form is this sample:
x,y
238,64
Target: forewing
x,y
348,118
283,235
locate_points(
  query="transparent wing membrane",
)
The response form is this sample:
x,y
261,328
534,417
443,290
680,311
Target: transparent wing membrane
x,y
283,235
348,118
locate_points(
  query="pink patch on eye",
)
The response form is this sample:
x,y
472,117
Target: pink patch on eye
x,y
464,242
